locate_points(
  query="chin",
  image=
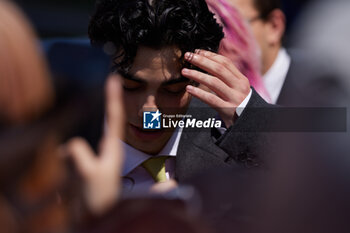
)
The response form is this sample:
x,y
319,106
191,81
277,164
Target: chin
x,y
148,141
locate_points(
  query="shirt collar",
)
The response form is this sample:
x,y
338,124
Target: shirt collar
x,y
134,157
276,75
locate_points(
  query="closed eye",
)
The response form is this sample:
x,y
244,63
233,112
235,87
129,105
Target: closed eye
x,y
131,85
176,88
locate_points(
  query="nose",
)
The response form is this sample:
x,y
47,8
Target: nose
x,y
149,105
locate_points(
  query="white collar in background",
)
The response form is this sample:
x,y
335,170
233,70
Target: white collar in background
x,y
276,75
134,157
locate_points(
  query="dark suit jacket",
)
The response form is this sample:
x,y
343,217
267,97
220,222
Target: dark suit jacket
x,y
291,92
241,145
311,82
304,76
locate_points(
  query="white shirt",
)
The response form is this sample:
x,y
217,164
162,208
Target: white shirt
x,y
276,75
136,180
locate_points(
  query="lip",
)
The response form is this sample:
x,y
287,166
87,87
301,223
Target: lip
x,y
145,135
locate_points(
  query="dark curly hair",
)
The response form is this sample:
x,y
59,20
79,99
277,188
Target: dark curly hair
x,y
127,24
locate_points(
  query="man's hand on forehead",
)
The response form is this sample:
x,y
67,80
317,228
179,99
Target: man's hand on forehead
x,y
229,87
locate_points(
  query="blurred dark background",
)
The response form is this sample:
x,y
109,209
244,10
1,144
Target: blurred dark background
x,y
69,18
58,18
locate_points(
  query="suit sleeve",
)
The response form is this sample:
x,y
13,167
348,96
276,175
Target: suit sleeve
x,y
245,142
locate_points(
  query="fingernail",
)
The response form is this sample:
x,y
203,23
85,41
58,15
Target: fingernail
x,y
189,88
188,55
185,71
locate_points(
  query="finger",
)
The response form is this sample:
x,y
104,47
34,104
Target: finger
x,y
212,67
114,107
208,98
221,59
164,187
244,85
62,151
82,154
213,83
112,154
111,151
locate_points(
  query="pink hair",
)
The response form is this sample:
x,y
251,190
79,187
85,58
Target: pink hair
x,y
239,44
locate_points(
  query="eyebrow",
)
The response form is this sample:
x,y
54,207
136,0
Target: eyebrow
x,y
171,81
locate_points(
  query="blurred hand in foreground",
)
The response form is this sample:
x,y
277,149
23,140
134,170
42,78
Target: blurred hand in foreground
x,y
164,187
101,173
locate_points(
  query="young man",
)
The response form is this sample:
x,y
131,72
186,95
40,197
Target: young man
x,y
163,49
281,73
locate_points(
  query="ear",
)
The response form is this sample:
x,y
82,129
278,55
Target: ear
x,y
276,24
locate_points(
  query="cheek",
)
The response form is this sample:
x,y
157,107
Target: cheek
x,y
131,105
258,34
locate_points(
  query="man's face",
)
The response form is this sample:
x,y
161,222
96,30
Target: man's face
x,y
153,83
258,26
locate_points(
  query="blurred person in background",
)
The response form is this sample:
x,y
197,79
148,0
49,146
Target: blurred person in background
x,y
38,192
321,32
30,171
310,190
281,70
239,44
26,90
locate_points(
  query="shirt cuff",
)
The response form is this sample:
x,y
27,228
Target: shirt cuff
x,y
239,110
241,107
